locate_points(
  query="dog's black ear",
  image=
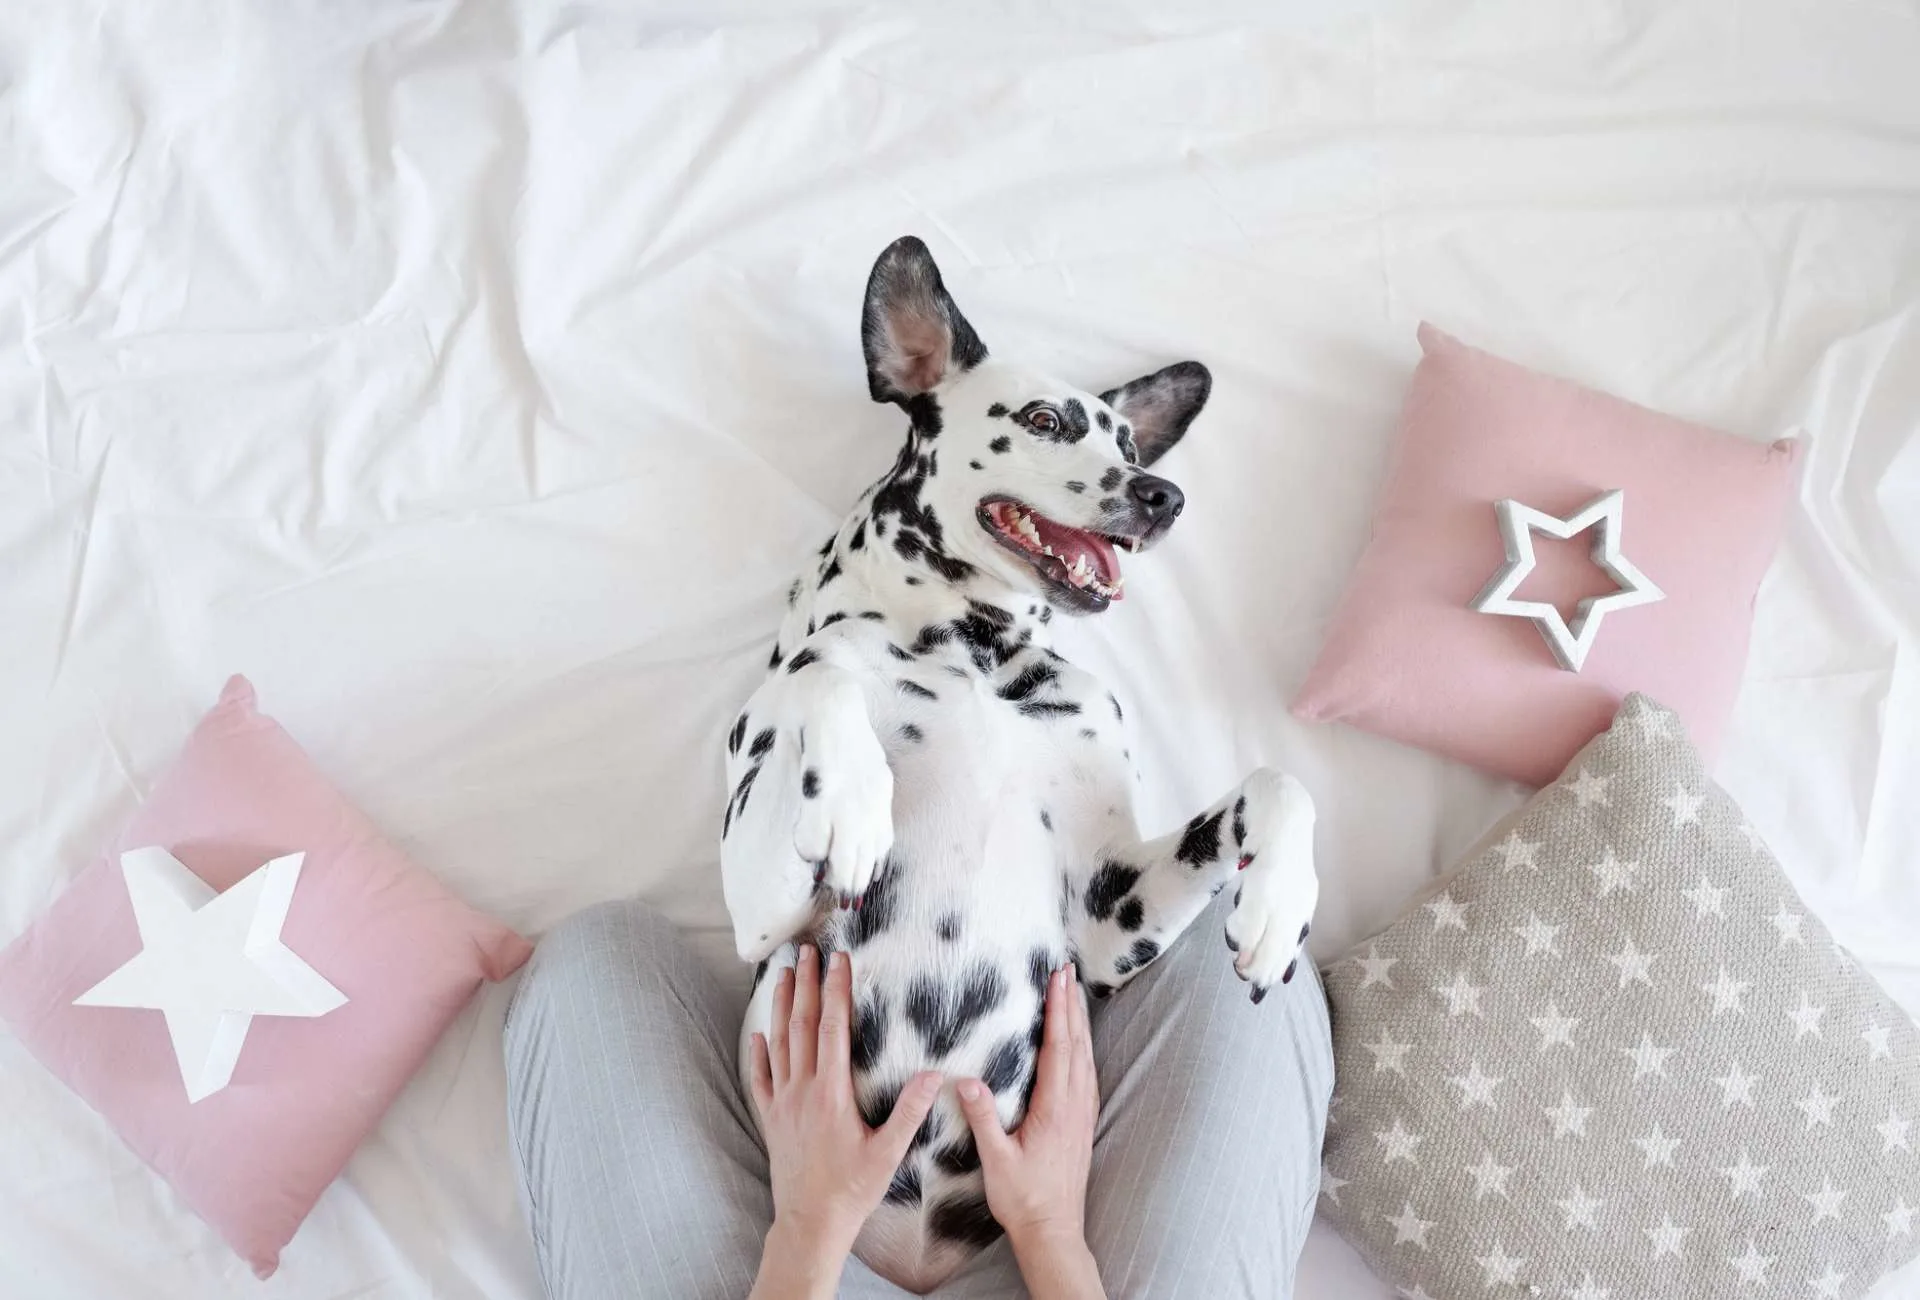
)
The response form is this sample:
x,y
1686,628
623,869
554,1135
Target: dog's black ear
x,y
913,334
1159,407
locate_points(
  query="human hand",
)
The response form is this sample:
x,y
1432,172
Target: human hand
x,y
829,1169
1037,1175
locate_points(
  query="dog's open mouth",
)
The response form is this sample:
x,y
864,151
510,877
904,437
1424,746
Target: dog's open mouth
x,y
1077,565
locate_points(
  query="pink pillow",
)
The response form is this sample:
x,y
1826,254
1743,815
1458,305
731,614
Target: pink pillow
x,y
253,1158
1406,657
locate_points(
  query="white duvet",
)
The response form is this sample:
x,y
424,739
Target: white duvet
x,y
473,377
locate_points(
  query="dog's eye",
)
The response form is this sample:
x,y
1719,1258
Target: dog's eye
x,y
1043,419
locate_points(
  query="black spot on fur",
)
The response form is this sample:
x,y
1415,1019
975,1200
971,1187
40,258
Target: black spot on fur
x,y
1030,679
877,1108
996,411
945,1015
1073,423
1117,715
1001,445
801,660
928,1130
738,734
759,973
1240,821
1046,819
1201,844
1036,1035
1088,733
1046,615
878,907
773,661
1112,505
1142,952
762,743
831,571
916,689
793,593
1104,420
912,581
869,1033
966,1219
1100,989
905,1187
912,733
924,408
1111,479
873,616
1040,966
809,784
1075,486
1003,1067
898,653
1109,885
1131,915
858,540
962,1157
835,617
976,464
932,636
948,927
1049,708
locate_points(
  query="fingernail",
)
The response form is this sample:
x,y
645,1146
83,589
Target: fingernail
x,y
806,953
786,977
1259,994
969,1089
838,961
1287,978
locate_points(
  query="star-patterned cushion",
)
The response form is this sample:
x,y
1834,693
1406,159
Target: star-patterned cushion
x,y
1614,1057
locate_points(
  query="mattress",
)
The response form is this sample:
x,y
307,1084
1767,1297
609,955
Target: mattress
x,y
474,376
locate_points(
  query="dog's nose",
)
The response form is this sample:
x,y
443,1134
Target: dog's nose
x,y
1160,500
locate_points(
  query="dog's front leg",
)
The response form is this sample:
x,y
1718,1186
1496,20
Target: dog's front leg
x,y
1140,897
812,801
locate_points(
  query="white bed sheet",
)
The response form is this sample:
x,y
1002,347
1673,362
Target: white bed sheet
x,y
474,375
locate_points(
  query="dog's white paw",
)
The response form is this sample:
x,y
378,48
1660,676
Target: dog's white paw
x,y
845,824
1278,888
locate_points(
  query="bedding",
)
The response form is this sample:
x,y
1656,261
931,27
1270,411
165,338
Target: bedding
x,y
475,377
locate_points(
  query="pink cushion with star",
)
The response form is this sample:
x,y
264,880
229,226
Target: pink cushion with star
x,y
253,1158
1406,657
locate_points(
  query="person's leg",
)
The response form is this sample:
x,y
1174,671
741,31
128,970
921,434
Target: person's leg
x,y
1206,1166
640,1168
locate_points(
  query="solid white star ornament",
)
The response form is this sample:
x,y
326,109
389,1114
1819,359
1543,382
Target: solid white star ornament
x,y
211,962
1569,642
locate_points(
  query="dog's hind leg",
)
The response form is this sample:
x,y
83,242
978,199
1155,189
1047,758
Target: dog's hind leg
x,y
812,801
1139,897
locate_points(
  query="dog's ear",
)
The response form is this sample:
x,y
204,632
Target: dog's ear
x,y
913,334
1159,407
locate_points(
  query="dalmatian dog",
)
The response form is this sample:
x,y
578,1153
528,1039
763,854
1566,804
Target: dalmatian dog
x,y
923,782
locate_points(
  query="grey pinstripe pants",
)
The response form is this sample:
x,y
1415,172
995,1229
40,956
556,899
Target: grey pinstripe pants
x,y
643,1176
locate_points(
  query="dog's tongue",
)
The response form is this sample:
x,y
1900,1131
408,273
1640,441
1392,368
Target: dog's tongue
x,y
1070,544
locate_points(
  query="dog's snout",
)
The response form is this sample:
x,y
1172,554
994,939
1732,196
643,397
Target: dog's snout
x,y
1160,500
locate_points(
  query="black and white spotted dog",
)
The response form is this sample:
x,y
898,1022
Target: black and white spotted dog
x,y
923,782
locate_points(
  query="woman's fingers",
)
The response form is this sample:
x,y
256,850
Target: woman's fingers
x,y
762,1075
803,1026
777,1025
983,1117
1054,1068
909,1112
1083,1073
836,1018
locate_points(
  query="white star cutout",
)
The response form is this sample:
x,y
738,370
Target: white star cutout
x,y
1648,1059
1708,899
1827,1285
1744,1177
1788,924
1463,998
1817,1106
1894,1132
1736,1087
1375,968
1330,1185
1613,874
1516,852
1538,935
1387,1054
1806,1018
1476,1088
1579,1209
1667,1237
1589,790
1726,993
1875,1037
1447,914
1489,1176
1899,1219
1554,1027
1410,1228
1652,722
1398,1144
1569,1117
1657,1147
1685,806
1633,964
1752,1266
1589,1290
1501,1267
1826,1201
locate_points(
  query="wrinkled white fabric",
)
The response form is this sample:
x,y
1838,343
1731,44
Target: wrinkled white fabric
x,y
474,375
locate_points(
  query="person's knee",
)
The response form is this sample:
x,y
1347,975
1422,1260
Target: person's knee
x,y
618,940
